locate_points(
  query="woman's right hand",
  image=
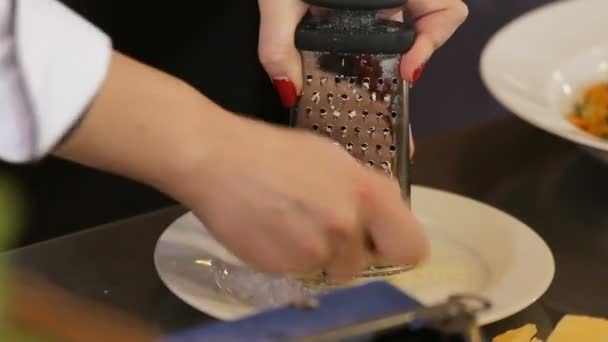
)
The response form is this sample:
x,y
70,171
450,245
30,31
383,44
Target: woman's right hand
x,y
289,201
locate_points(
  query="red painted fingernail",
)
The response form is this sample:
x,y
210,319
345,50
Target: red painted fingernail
x,y
287,91
417,74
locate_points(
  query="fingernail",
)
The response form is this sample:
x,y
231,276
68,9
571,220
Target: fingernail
x,y
287,91
417,73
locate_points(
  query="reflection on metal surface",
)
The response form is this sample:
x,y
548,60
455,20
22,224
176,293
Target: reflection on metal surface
x,y
204,262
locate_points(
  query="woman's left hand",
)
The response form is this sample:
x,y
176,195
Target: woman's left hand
x,y
435,22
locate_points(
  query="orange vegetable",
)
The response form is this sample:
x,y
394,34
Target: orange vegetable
x,y
591,114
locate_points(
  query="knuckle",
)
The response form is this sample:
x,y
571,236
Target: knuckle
x,y
341,225
316,253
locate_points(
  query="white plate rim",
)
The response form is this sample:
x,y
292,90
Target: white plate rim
x,y
485,65
537,287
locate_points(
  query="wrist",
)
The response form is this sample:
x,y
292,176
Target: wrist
x,y
193,149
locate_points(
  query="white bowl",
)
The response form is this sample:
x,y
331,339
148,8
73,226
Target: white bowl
x,y
539,64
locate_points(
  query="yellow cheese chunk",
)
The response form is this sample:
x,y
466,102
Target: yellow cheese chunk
x,y
574,328
523,334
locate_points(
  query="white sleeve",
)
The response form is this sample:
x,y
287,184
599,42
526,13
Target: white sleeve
x,y
52,63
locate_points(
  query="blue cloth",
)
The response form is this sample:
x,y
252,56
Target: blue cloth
x,y
337,309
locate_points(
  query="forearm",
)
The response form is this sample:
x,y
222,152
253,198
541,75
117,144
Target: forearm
x,y
146,125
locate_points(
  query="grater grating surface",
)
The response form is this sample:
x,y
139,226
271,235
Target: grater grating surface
x,y
353,93
359,101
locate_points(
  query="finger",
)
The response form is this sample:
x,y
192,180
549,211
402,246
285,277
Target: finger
x,y
348,245
287,242
302,250
396,234
435,22
276,48
349,257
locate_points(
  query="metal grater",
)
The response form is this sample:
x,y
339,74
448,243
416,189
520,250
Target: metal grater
x,y
353,92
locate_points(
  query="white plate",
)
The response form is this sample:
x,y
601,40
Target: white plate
x,y
538,65
476,249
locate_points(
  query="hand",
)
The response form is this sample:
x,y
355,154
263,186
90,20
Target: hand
x,y
435,22
279,199
288,201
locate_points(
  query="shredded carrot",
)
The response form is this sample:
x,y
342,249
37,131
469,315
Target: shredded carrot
x,y
578,122
591,114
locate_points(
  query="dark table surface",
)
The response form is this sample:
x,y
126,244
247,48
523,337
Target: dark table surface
x,y
465,146
546,182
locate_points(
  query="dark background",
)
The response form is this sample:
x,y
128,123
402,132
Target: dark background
x,y
212,45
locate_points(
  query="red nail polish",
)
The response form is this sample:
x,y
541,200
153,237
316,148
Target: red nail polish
x,y
287,92
417,74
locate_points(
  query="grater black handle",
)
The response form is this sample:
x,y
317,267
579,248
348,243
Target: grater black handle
x,y
358,4
357,31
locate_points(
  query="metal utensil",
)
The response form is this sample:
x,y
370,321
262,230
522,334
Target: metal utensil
x,y
353,92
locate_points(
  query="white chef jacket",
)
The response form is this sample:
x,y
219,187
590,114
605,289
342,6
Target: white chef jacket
x,y
52,64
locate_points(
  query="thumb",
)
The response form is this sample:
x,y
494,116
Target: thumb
x,y
276,48
396,233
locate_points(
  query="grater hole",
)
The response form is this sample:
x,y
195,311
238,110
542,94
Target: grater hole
x,y
323,112
370,163
329,129
372,97
352,80
308,110
359,98
366,82
395,80
315,127
337,79
380,82
349,146
364,147
387,98
316,96
344,97
378,147
352,113
393,148
379,115
336,114
364,113
386,166
323,80
330,97
386,131
357,130
343,129
394,115
309,78
371,130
